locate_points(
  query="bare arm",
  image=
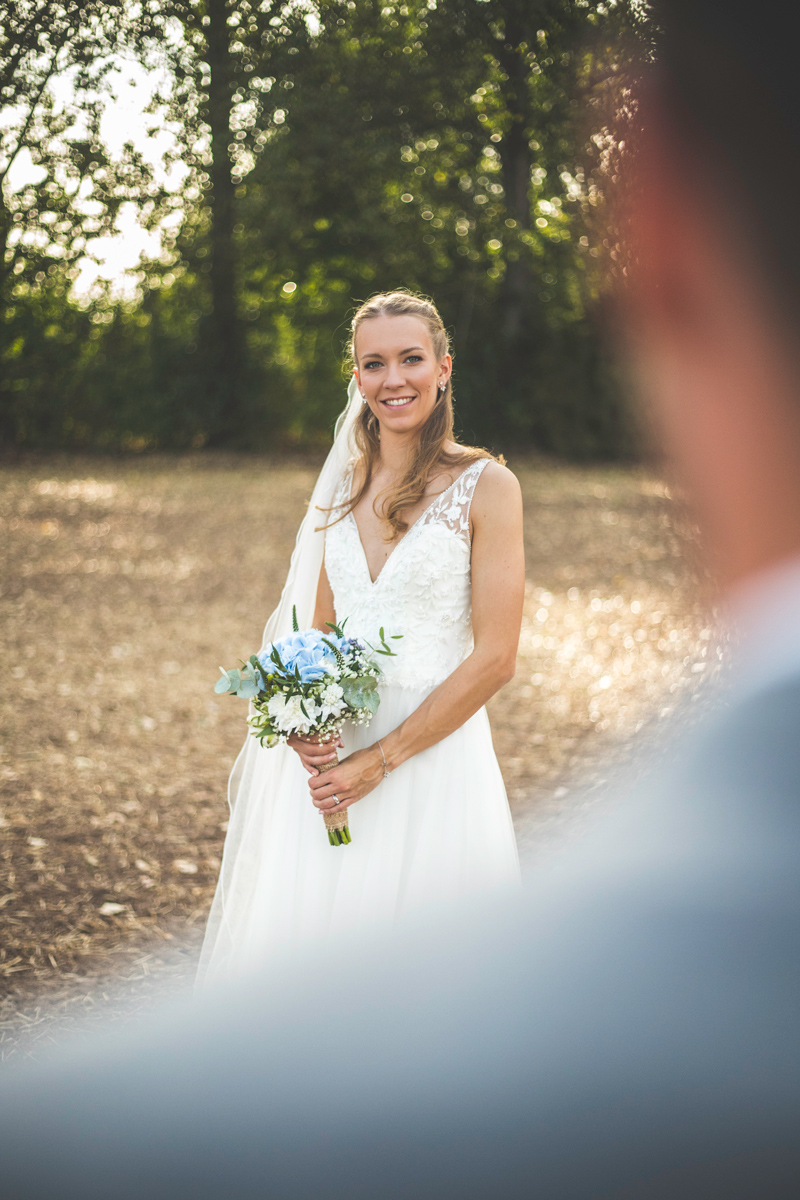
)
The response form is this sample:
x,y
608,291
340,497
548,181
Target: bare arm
x,y
498,583
323,609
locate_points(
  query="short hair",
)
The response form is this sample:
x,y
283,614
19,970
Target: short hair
x,y
727,81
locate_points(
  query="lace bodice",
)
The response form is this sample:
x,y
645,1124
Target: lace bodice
x,y
422,592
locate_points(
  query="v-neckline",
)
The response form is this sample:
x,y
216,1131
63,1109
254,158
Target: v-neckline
x,y
411,528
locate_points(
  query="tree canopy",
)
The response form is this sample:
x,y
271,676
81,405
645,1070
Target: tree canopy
x,y
327,151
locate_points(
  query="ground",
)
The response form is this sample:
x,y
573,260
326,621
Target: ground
x,y
127,583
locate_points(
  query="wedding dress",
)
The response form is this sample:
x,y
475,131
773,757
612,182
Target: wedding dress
x,y
438,828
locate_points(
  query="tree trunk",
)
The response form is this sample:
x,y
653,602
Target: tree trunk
x,y
226,343
515,158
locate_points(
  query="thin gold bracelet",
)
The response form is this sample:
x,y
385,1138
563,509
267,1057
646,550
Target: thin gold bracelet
x,y
383,756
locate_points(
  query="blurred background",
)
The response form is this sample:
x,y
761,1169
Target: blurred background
x,y
194,194
194,197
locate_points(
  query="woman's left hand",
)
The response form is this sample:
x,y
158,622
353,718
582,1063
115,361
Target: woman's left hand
x,y
355,777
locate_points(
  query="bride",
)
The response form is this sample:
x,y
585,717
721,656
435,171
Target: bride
x,y
409,531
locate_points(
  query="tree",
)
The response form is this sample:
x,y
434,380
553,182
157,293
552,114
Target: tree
x,y
457,147
446,149
222,72
71,191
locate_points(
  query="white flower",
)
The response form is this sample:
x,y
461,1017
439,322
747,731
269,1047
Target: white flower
x,y
330,701
276,705
288,715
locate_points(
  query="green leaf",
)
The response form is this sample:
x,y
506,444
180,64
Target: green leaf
x,y
362,692
222,686
295,626
336,652
262,669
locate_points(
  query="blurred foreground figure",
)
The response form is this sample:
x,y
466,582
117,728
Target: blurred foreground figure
x,y
631,1028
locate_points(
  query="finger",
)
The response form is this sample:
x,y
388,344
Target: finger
x,y
323,780
321,759
325,797
328,804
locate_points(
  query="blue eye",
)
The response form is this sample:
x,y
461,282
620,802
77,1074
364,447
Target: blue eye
x,y
368,365
414,358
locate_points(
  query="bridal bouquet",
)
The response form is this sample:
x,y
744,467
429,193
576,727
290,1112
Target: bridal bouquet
x,y
309,683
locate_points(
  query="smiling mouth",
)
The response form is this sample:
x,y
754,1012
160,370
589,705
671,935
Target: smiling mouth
x,y
398,401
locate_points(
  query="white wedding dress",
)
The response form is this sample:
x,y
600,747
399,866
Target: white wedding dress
x,y
437,829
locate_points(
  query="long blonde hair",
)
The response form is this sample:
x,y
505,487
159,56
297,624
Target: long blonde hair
x,y
437,431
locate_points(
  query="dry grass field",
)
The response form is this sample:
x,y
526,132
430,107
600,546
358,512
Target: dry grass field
x,y
126,583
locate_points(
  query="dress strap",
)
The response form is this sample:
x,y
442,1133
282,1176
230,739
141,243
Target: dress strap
x,y
452,507
345,485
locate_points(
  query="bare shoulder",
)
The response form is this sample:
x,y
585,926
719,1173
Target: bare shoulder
x,y
497,493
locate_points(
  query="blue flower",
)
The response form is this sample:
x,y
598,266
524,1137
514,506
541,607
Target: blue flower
x,y
305,652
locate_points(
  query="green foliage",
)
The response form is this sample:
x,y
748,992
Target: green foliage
x,y
456,148
72,192
361,693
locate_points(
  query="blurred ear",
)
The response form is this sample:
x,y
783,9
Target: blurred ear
x,y
683,257
712,362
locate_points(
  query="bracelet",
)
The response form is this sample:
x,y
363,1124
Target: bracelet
x,y
383,756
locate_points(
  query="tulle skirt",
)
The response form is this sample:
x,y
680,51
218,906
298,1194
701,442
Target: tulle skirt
x,y
437,830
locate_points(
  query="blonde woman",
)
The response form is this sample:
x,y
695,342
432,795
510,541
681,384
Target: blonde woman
x,y
410,531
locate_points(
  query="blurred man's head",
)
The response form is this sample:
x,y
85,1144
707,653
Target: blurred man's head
x,y
715,285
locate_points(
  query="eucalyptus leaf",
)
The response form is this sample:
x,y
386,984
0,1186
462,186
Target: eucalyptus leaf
x,y
222,686
361,693
247,690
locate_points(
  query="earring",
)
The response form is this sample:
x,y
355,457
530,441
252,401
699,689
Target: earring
x,y
442,386
363,395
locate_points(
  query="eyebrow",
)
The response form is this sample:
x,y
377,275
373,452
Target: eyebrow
x,y
406,351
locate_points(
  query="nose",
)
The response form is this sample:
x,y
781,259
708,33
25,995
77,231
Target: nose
x,y
394,376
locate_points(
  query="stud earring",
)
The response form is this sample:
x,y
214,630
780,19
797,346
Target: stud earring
x,y
442,386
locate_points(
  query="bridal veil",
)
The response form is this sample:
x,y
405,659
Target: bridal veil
x,y
256,771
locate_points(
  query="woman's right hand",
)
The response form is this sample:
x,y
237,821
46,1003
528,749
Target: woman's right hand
x,y
313,753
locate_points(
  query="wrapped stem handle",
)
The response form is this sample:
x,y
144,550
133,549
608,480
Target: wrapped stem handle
x,y
336,823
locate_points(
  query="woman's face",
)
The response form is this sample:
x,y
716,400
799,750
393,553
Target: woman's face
x,y
398,373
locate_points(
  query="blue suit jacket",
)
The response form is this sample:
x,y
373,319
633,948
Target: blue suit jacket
x,y
630,1028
